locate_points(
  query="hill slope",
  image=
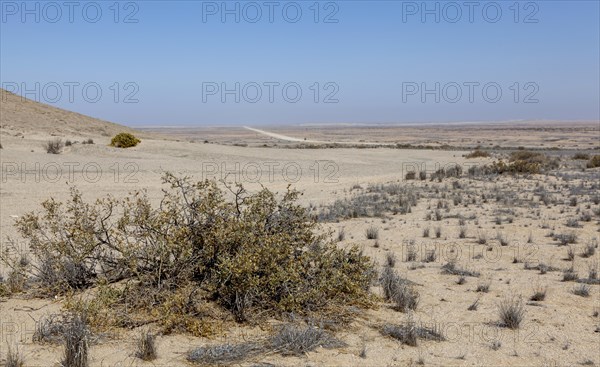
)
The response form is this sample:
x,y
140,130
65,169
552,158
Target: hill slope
x,y
22,115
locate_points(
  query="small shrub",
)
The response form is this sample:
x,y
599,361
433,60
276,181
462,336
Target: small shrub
x,y
410,175
405,297
528,156
430,256
389,281
54,146
581,156
586,217
483,287
569,275
539,294
570,253
390,259
51,329
478,154
593,271
298,340
495,345
17,277
411,253
223,354
406,334
590,250
146,346
76,336
438,232
481,238
451,268
68,143
409,333
372,233
512,312
582,290
88,141
341,234
474,305
398,290
462,233
566,238
13,358
426,232
124,140
593,162
572,201
572,223
363,352
502,239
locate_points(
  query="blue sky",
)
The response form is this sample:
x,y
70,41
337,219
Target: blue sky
x,y
371,61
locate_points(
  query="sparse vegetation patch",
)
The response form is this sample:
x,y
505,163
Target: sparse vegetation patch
x,y
253,254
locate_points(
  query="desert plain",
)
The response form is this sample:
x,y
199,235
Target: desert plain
x,y
470,241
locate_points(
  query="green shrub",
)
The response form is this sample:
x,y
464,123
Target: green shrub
x,y
124,140
254,255
594,162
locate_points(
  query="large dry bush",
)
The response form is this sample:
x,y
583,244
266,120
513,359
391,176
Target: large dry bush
x,y
250,254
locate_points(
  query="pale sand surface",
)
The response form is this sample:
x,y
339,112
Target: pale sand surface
x,y
560,331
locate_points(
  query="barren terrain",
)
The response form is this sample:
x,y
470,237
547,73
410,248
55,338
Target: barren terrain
x,y
503,233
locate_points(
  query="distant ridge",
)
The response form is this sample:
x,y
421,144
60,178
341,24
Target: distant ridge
x,y
21,115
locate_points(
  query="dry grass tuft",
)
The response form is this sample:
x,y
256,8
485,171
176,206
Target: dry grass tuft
x,y
14,358
451,268
146,346
76,336
297,340
409,333
54,146
582,290
398,290
223,354
512,312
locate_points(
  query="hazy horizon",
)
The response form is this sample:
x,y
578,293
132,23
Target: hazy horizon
x,y
197,63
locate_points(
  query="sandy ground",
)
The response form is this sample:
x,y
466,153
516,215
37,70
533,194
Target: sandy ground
x,y
563,330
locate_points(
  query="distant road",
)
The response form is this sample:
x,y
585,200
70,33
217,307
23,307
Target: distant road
x,y
291,138
281,137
